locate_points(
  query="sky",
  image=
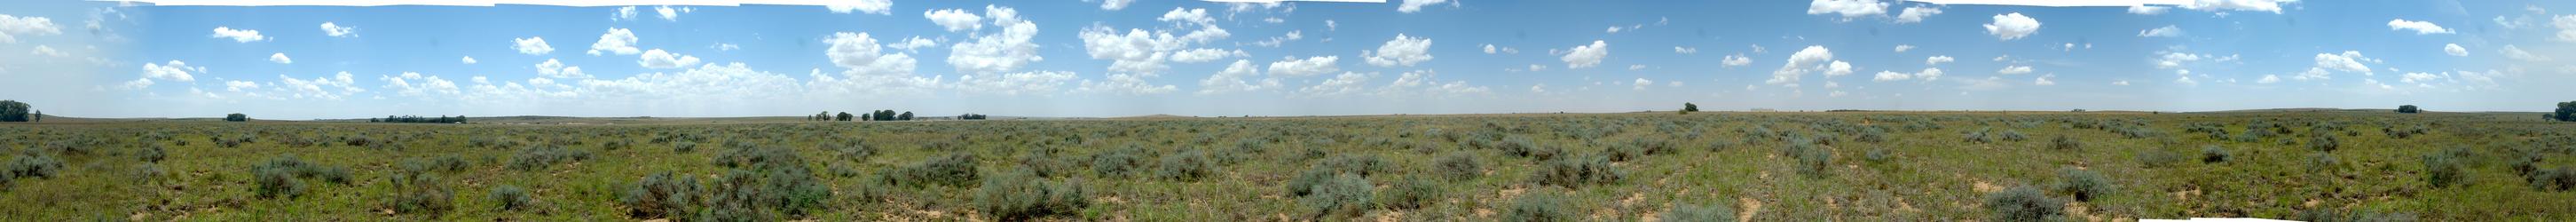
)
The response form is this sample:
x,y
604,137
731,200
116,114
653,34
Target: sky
x,y
1111,58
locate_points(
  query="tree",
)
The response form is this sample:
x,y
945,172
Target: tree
x,y
2408,109
14,111
971,116
237,117
906,116
40,115
867,117
2566,112
1688,107
845,116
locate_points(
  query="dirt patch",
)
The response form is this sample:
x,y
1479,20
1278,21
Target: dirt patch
x,y
1983,187
1751,207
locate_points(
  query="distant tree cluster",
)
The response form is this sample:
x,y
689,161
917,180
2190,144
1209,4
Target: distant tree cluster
x,y
971,116
879,115
2566,112
418,119
2408,109
236,117
14,111
890,115
1687,108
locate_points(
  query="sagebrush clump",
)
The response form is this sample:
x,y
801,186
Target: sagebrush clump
x,y
1459,166
2024,204
1577,172
1342,196
2084,185
1022,195
1540,207
1684,212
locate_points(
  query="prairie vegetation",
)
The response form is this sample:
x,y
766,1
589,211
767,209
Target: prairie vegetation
x,y
1865,166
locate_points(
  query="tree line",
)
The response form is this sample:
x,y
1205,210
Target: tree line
x,y
14,111
879,115
418,119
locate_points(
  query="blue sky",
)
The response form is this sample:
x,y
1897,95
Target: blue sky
x,y
1087,59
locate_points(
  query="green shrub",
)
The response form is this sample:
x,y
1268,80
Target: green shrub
x,y
1046,162
1879,155
2214,154
2158,158
1577,172
2444,169
1343,196
1540,207
1322,172
2325,143
2338,215
511,197
854,150
2084,185
761,194
1815,162
661,195
35,166
2557,179
1459,166
2016,136
543,156
1522,147
2022,203
2063,142
1117,163
1412,192
276,183
1188,166
684,147
2323,161
1698,213
421,193
1622,152
953,170
1021,195
1653,146
151,153
1976,136
758,157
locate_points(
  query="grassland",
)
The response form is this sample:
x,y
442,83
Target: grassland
x,y
1864,166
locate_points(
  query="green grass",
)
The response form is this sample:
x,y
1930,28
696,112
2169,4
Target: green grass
x,y
1864,166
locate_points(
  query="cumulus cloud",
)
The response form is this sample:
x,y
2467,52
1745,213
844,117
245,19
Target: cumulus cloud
x,y
1735,60
879,7
1685,50
2012,26
2273,6
280,58
616,41
2147,10
238,35
2348,61
1847,8
954,19
2043,80
335,30
1928,74
1347,83
556,69
1114,5
2455,50
1143,52
1837,68
532,46
1411,6
174,70
1937,60
861,55
1205,54
998,52
2420,27
1586,55
1903,48
1310,66
2169,60
2566,25
11,26
1033,83
427,85
2269,79
1236,78
1805,60
2014,70
1914,14
667,13
47,51
469,60
1403,50
1642,83
2516,53
322,87
659,59
2167,31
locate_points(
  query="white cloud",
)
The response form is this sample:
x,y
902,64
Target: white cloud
x,y
47,51
2014,70
1143,52
2012,26
1403,50
1916,14
1928,74
1837,68
879,7
335,30
1310,66
2147,10
238,35
2566,25
1114,5
2239,5
998,52
1806,60
2516,53
1586,55
280,58
138,83
1293,35
1642,83
2455,50
2269,79
2416,77
954,19
1614,29
2169,60
659,59
1345,84
1126,83
173,70
2420,27
428,86
2120,83
237,85
469,60
1903,48
2349,61
1236,78
2167,31
623,13
11,26
1411,6
1034,83
1937,60
1685,50
1205,54
667,13
316,88
860,53
2043,80
1847,8
1736,60
556,69
2186,81
2315,73
617,41
532,46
